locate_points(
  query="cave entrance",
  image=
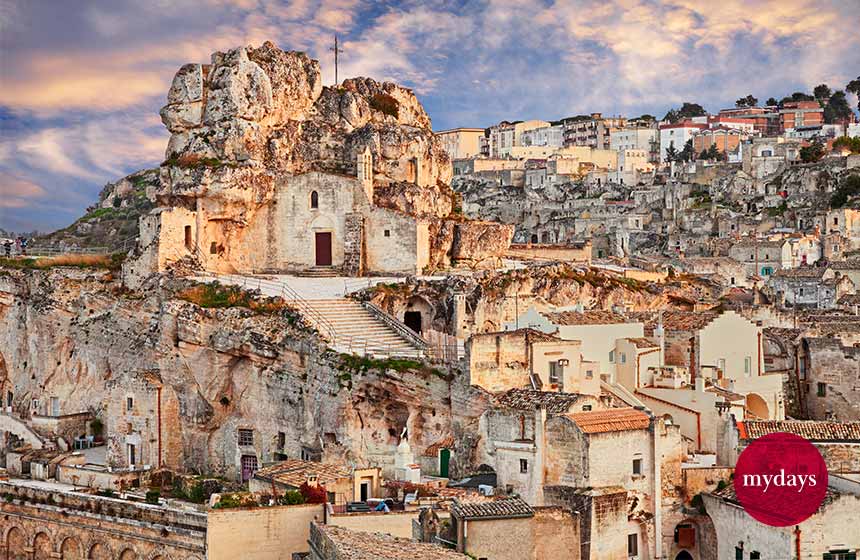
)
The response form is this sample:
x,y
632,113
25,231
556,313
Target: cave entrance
x,y
413,320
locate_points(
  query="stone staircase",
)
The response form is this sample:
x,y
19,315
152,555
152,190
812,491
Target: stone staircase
x,y
319,272
356,330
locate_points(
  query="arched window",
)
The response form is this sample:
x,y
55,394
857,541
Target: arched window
x,y
315,199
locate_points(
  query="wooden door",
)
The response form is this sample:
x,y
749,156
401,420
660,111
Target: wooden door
x,y
323,248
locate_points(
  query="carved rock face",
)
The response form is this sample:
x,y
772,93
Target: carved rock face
x,y
266,109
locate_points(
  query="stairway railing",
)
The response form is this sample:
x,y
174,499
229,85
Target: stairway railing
x,y
350,343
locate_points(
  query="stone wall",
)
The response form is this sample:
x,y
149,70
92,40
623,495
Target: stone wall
x,y
260,533
837,367
73,526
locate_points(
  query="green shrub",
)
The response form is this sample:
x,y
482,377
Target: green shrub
x,y
291,498
152,496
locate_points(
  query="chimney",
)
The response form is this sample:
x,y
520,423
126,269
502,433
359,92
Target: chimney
x,y
700,384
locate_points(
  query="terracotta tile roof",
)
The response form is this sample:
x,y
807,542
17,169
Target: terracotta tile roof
x,y
358,545
592,317
611,420
760,243
848,264
295,472
728,494
434,448
642,343
850,299
812,430
810,272
686,320
528,399
506,507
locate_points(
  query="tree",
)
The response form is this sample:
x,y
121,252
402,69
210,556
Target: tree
x,y
645,117
748,101
822,93
797,96
688,152
837,108
714,153
854,87
671,152
813,152
771,102
853,144
686,111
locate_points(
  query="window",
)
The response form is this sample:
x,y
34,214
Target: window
x,y
755,555
246,437
129,404
555,372
524,465
637,466
632,545
739,553
589,374
213,248
132,454
747,365
623,357
822,389
387,233
315,200
55,406
612,356
188,237
282,440
840,555
586,408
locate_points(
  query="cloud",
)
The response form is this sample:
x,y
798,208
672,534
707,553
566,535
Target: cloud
x,y
18,192
82,85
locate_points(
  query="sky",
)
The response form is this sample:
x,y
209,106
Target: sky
x,y
81,82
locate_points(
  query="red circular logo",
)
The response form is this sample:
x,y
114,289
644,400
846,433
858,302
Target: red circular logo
x,y
780,479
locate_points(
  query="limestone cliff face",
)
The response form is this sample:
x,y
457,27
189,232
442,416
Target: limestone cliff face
x,y
254,113
77,336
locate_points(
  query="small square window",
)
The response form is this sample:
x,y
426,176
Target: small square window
x,y
589,374
623,357
586,408
637,466
246,436
524,465
755,555
387,233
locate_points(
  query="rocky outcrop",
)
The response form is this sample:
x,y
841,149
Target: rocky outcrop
x,y
112,221
75,335
254,113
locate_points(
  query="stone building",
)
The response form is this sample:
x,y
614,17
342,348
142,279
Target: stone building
x,y
513,432
762,258
527,358
823,535
268,170
511,529
342,483
817,287
831,373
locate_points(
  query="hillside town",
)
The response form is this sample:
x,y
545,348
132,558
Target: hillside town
x,y
323,330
